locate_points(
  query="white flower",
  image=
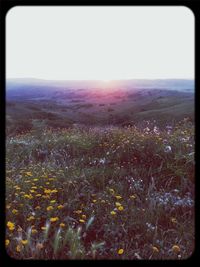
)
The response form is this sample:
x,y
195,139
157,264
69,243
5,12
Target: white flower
x,y
102,161
168,149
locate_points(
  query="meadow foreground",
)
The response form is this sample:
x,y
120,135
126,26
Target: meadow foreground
x,y
101,193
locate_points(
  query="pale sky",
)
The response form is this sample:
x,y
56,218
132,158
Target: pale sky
x,y
75,43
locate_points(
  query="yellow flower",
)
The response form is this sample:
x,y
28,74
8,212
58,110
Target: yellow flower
x,y
34,187
176,249
7,242
94,200
24,242
60,207
47,183
118,197
14,211
54,219
83,216
120,208
18,248
53,201
49,208
62,225
54,191
36,179
28,196
43,228
38,195
34,231
29,173
103,201
120,251
47,191
78,211
113,212
30,218
155,249
11,226
32,191
133,197
82,221
111,191
117,204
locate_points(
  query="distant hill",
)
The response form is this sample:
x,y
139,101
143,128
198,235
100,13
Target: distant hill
x,y
63,103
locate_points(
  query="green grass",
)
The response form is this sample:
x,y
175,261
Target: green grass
x,y
111,193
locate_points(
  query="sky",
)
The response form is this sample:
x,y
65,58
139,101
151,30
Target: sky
x,y
100,43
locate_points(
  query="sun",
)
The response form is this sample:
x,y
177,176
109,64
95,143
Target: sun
x,y
106,81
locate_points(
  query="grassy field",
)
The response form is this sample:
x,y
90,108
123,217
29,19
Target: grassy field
x,y
130,107
101,192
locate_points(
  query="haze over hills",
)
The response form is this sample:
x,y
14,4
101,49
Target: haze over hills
x,y
63,103
170,84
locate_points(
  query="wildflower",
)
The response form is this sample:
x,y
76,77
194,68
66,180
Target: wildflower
x,y
49,208
83,216
118,197
103,201
34,187
117,204
62,225
120,251
133,197
37,207
155,249
113,212
53,201
7,242
29,173
94,200
35,180
11,226
43,227
18,248
168,149
30,218
176,249
24,242
78,211
173,220
38,195
111,191
54,191
60,207
47,191
54,219
34,231
14,211
120,208
28,196
81,220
